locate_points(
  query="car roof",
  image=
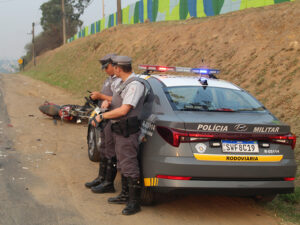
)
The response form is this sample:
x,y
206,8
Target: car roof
x,y
180,80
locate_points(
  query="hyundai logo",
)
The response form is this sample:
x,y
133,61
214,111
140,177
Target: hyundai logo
x,y
241,127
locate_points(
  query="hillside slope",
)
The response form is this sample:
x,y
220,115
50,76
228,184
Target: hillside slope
x,y
258,49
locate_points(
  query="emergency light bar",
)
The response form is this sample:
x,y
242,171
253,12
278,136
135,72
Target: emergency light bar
x,y
178,69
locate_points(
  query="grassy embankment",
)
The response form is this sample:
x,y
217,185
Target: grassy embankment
x,y
258,49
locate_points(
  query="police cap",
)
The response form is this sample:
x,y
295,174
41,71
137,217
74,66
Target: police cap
x,y
121,60
107,59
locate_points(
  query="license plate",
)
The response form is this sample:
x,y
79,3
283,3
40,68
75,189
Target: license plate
x,y
240,146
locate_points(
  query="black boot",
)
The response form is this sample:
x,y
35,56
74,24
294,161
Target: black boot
x,y
101,174
122,198
107,186
133,205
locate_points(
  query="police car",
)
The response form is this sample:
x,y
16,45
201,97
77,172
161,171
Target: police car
x,y
203,134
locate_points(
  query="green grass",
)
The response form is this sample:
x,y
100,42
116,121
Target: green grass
x,y
287,206
75,67
91,79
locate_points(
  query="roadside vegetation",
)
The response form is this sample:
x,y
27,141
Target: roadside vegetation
x,y
51,37
287,206
253,48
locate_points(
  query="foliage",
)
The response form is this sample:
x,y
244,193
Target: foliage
x,y
51,22
287,206
52,15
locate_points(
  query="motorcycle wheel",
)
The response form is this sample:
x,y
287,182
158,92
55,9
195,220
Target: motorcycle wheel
x,y
94,141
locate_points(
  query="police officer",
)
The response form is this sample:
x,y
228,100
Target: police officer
x,y
107,168
126,105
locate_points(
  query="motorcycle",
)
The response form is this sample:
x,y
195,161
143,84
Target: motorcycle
x,y
69,112
78,114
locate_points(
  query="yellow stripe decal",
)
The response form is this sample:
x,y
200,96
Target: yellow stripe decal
x,y
146,182
239,158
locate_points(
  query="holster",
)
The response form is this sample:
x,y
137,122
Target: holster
x,y
126,127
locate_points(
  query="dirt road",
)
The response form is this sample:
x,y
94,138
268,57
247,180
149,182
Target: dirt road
x,y
43,168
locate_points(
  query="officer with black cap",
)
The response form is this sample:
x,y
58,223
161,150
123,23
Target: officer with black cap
x,y
126,105
106,92
104,183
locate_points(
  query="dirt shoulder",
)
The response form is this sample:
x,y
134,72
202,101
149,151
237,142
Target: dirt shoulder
x,y
59,177
257,49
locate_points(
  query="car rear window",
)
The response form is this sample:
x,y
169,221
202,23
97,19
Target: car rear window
x,y
198,98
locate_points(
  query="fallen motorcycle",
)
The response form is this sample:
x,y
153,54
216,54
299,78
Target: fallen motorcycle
x,y
70,112
78,114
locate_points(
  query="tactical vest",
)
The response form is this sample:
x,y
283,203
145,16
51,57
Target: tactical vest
x,y
106,88
117,99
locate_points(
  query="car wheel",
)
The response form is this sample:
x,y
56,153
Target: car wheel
x,y
148,197
264,198
93,140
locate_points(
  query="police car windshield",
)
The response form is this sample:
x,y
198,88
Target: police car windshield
x,y
195,98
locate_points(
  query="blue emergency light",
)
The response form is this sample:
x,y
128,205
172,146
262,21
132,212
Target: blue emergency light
x,y
204,71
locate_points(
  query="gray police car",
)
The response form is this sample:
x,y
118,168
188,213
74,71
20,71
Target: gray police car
x,y
203,134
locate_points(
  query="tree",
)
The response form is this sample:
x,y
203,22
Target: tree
x,y
52,15
51,22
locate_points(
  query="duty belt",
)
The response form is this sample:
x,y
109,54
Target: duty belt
x,y
126,127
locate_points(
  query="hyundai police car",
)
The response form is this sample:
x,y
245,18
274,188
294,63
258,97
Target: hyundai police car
x,y
204,134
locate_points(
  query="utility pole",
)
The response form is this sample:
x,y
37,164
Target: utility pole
x,y
63,21
33,50
119,11
103,14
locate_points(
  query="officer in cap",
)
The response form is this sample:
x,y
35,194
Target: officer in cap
x,y
106,92
104,183
126,105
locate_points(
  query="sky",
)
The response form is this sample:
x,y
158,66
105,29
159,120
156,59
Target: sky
x,y
17,16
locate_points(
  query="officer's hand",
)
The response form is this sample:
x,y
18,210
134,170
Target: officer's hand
x,y
98,119
93,123
95,95
105,104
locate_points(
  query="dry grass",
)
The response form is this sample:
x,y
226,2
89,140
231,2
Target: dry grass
x,y
258,49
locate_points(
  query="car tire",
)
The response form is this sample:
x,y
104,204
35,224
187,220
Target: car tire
x,y
93,140
265,198
148,197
